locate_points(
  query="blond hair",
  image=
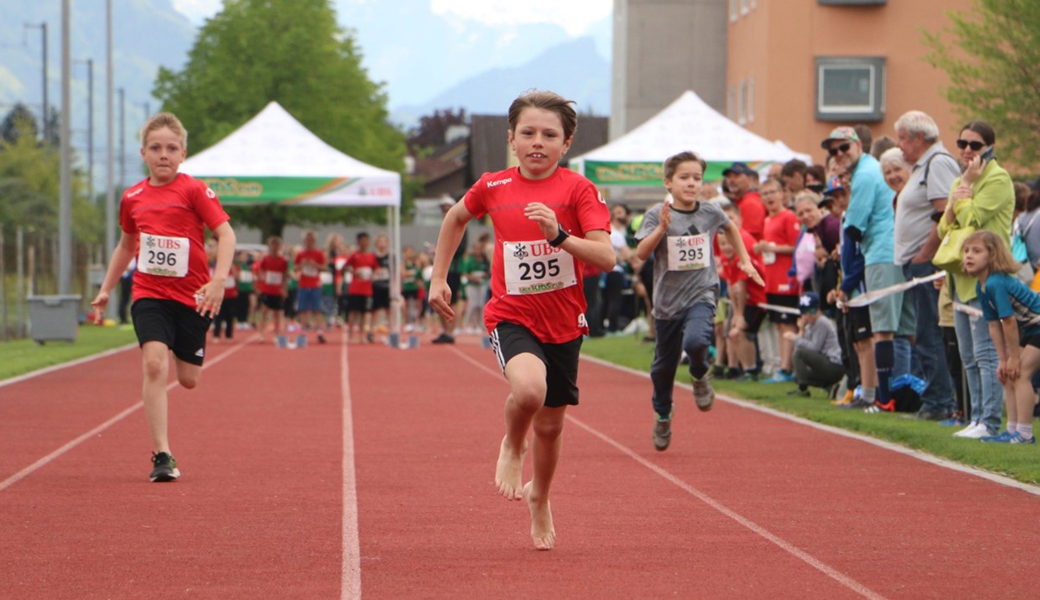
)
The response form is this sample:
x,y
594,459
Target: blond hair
x,y
168,120
1000,258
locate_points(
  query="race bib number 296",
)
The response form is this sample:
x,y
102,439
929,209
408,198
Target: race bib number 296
x,y
536,267
163,256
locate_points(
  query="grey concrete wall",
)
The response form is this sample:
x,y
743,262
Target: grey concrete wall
x,y
661,49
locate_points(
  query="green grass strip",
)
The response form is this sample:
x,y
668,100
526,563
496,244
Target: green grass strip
x,y
19,357
1020,462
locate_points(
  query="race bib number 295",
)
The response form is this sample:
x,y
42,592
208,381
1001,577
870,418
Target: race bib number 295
x,y
163,256
536,267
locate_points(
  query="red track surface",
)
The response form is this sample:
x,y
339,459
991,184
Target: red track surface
x,y
743,504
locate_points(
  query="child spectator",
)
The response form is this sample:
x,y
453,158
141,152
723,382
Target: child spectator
x,y
817,354
1012,311
679,234
745,296
777,248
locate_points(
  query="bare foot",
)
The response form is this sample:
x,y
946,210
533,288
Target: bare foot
x,y
542,532
508,471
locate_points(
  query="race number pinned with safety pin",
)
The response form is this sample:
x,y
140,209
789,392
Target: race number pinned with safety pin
x,y
163,256
536,267
688,252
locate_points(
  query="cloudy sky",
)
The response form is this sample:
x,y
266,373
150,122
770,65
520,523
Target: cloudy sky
x,y
421,47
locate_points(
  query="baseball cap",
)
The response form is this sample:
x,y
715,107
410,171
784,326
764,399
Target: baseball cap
x,y
447,200
809,302
833,185
840,133
739,168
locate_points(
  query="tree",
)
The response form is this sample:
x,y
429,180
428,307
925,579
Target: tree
x,y
292,52
433,130
993,62
20,121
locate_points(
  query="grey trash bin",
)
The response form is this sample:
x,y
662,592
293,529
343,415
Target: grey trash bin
x,y
53,317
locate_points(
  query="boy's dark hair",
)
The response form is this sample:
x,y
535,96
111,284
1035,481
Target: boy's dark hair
x,y
628,211
362,235
881,145
792,167
545,100
818,172
984,129
1022,193
672,162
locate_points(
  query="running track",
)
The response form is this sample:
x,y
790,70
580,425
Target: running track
x,y
302,482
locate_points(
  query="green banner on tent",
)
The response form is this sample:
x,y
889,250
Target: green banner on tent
x,y
639,173
274,190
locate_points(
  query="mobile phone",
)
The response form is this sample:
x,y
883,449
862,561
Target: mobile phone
x,y
987,156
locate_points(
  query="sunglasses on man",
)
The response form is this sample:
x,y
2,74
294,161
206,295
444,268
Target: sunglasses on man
x,y
975,145
843,148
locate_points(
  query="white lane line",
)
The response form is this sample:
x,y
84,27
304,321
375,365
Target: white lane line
x,y
912,453
784,545
79,440
71,363
351,567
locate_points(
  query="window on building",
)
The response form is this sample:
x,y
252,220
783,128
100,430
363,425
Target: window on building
x,y
850,88
742,106
751,101
734,10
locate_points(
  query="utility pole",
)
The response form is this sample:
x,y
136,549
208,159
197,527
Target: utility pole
x,y
65,204
43,121
122,138
110,191
90,126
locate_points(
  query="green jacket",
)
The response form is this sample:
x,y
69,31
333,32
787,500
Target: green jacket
x,y
991,207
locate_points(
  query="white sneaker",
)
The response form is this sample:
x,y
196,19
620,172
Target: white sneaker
x,y
969,430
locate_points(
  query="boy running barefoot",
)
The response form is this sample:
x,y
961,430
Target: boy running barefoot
x,y
679,234
164,219
548,221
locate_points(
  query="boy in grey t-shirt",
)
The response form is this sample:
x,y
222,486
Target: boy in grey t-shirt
x,y
680,235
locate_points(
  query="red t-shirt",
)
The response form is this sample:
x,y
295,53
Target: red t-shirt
x,y
170,224
752,214
272,273
364,265
310,276
756,294
782,229
543,290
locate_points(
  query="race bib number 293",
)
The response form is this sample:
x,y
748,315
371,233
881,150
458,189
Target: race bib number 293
x,y
536,267
688,252
163,256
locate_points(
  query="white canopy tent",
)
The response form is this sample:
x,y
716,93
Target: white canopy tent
x,y
688,123
274,159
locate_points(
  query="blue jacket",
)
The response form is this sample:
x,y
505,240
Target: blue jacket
x,y
870,211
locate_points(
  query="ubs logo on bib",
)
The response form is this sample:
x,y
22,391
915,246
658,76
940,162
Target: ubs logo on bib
x,y
521,252
162,243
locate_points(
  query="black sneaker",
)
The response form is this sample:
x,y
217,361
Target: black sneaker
x,y
321,338
662,433
165,467
443,339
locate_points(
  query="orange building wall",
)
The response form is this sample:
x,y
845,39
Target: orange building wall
x,y
777,43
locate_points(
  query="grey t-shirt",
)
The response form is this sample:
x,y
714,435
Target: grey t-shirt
x,y
914,207
821,336
676,291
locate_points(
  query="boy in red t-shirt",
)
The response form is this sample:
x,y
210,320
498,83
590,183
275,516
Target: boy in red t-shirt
x,y
548,221
310,262
745,296
361,265
272,280
777,250
164,219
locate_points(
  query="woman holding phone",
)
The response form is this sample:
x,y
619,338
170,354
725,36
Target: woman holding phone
x,y
983,198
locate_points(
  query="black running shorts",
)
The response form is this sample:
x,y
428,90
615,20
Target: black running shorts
x,y
174,324
272,301
561,360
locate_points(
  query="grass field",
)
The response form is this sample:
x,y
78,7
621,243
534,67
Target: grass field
x,y
22,356
1019,462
